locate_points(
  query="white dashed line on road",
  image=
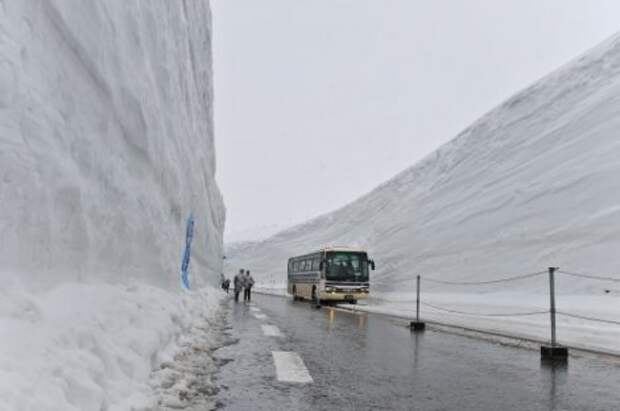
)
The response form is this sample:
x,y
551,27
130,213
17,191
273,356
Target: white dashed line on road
x,y
260,316
290,367
255,309
271,331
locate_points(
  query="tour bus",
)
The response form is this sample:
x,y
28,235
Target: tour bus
x,y
330,274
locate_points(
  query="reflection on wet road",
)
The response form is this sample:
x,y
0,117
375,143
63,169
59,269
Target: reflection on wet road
x,y
361,361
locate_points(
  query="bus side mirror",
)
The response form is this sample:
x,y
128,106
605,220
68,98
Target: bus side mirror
x,y
372,265
321,265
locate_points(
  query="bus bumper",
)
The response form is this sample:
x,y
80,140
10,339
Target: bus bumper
x,y
338,296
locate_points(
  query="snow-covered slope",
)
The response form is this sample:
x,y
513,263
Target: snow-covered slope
x,y
533,183
106,142
106,148
252,234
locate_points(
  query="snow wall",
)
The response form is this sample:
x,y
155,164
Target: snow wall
x,y
106,142
533,183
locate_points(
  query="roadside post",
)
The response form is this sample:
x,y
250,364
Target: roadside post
x,y
417,325
553,352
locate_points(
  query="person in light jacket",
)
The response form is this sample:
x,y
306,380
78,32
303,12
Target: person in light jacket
x,y
248,283
239,282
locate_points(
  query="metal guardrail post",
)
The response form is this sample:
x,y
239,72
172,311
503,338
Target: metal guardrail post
x,y
417,325
417,301
552,304
553,352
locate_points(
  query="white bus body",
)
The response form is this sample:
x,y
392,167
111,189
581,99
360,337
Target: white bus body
x,y
330,274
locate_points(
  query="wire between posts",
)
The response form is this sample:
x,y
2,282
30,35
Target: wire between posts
x,y
583,317
501,280
591,277
522,314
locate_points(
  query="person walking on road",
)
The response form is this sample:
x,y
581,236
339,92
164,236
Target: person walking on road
x,y
249,282
226,285
239,281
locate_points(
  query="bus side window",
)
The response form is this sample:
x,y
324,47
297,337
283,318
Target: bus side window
x,y
296,266
316,264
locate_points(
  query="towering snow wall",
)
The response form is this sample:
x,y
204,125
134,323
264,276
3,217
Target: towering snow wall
x,y
535,182
106,142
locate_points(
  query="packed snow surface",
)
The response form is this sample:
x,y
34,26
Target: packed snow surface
x,y
106,149
91,347
106,141
532,184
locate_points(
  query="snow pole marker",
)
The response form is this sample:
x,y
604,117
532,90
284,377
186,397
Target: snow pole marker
x,y
189,235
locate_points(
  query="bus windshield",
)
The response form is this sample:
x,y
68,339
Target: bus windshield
x,y
347,266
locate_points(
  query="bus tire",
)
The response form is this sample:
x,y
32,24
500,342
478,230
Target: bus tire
x,y
314,300
353,302
295,298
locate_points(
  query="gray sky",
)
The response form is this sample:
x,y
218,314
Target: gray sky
x,y
319,101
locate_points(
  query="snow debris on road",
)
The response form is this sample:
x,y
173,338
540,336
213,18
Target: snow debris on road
x,y
187,380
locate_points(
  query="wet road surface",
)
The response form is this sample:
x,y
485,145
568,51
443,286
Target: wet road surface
x,y
355,361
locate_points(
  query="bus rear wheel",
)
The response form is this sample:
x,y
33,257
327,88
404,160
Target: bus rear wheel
x,y
314,300
295,296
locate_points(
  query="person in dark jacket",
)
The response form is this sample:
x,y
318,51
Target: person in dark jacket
x,y
248,283
238,282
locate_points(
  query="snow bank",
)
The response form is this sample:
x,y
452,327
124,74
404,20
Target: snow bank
x,y
532,184
106,148
90,347
106,141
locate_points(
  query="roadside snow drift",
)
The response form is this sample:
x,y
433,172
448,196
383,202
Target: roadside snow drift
x,y
106,149
532,184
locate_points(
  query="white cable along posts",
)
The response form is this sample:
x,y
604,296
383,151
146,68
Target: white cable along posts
x,y
501,280
522,314
591,277
553,351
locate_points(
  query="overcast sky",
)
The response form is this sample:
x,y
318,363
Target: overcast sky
x,y
319,101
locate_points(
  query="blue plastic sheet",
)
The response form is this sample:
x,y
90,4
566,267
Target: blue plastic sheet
x,y
189,234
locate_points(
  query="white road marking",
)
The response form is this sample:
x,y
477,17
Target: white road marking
x,y
290,367
255,309
271,331
260,316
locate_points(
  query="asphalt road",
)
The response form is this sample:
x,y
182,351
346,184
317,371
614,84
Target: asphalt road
x,y
331,359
